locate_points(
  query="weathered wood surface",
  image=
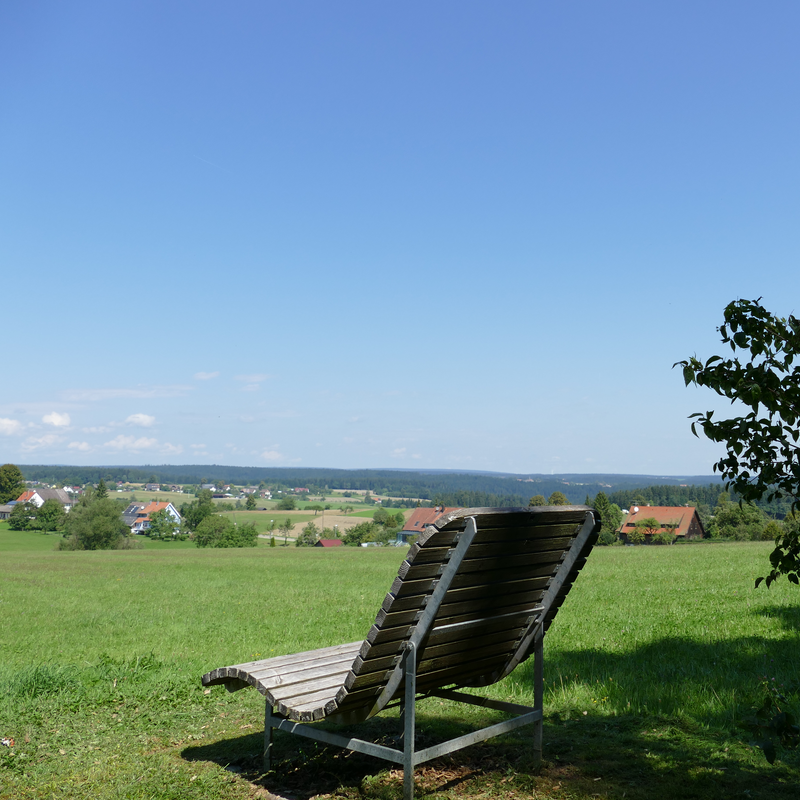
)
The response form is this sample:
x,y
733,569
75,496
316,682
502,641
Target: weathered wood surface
x,y
484,623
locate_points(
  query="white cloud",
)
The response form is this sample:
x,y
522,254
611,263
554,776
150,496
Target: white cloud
x,y
97,429
56,420
84,447
205,376
38,442
131,443
9,426
398,452
142,420
271,455
197,446
171,449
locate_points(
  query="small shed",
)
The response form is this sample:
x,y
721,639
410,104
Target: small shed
x,y
328,543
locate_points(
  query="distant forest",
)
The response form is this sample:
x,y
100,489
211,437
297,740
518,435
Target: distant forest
x,y
464,489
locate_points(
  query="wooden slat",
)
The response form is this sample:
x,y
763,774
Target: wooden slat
x,y
494,577
422,571
487,608
434,659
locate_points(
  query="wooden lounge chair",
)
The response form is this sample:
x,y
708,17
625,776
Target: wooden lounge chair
x,y
471,601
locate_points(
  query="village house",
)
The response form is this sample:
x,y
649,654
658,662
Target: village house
x,y
417,522
683,521
38,495
137,515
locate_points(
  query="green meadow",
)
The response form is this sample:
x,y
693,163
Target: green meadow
x,y
653,662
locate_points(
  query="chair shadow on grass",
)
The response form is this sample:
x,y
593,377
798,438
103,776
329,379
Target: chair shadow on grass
x,y
303,768
669,749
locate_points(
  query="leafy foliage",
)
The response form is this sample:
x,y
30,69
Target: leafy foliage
x,y
763,458
775,726
195,512
217,531
12,483
22,517
163,526
610,518
558,499
95,524
308,536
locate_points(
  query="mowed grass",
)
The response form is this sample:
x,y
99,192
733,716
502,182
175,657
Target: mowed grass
x,y
650,665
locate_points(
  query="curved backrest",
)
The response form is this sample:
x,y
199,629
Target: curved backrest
x,y
511,577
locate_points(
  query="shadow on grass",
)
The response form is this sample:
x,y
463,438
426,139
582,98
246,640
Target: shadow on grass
x,y
678,738
587,757
789,616
302,768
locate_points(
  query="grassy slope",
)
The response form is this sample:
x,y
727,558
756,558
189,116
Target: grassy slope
x,y
649,666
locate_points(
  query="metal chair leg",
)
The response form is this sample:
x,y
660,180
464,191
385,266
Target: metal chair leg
x,y
409,721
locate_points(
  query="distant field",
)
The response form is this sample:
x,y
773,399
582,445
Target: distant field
x,y
653,661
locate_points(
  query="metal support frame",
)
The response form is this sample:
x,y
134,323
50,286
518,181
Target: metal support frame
x,y
406,670
409,757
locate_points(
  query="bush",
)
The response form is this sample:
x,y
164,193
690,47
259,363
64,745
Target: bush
x,y
216,531
636,536
606,538
96,525
666,537
308,536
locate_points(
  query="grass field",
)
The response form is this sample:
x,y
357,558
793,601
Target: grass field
x,y
652,663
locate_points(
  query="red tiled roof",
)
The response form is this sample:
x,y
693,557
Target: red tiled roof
x,y
26,496
328,543
153,507
677,518
423,517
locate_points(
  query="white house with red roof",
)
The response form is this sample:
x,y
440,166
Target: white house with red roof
x,y
139,517
38,495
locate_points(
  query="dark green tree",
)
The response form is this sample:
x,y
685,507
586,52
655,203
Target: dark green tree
x,y
195,512
50,516
610,518
95,525
22,517
163,526
558,499
12,484
287,503
743,522
250,503
102,490
537,500
308,536
763,457
286,528
217,531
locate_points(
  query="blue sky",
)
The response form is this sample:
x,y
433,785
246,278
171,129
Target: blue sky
x,y
451,235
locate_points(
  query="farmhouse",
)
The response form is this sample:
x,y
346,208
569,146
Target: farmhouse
x,y
683,521
418,521
40,494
